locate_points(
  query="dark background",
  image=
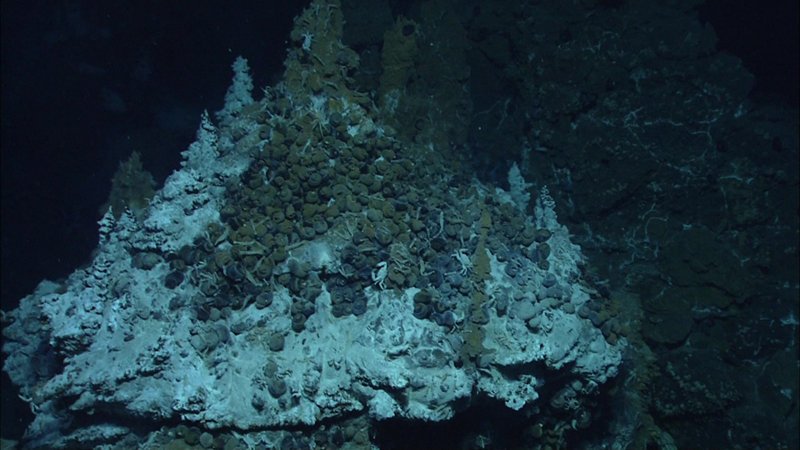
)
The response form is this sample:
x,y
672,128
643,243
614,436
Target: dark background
x,y
86,83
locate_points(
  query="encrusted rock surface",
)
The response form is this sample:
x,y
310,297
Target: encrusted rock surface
x,y
305,264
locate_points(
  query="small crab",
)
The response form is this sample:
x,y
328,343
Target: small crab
x,y
379,275
463,259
